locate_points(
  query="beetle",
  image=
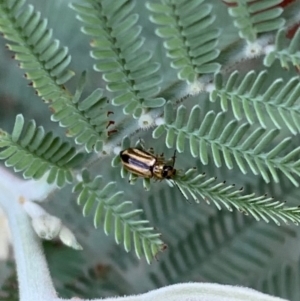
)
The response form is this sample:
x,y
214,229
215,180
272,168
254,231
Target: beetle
x,y
147,165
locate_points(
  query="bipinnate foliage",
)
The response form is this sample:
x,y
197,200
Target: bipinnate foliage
x,y
46,65
87,119
286,55
219,255
237,120
282,281
111,208
238,143
260,207
190,39
255,17
250,98
130,73
77,276
43,58
36,153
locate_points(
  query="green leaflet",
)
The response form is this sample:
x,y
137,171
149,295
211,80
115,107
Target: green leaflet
x,y
262,207
35,49
46,63
108,207
253,18
130,74
86,120
249,97
285,55
37,153
209,248
232,140
190,40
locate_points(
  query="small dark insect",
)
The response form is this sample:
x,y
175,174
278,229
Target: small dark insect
x,y
146,165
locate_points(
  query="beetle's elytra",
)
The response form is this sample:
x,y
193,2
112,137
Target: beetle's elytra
x,y
146,165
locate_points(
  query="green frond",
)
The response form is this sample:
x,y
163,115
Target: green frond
x,y
44,59
36,153
65,271
127,69
227,248
261,208
111,209
255,17
46,64
86,120
236,143
281,281
285,55
167,209
190,39
101,280
249,97
77,275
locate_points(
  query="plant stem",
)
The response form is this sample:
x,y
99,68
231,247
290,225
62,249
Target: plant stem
x,y
35,283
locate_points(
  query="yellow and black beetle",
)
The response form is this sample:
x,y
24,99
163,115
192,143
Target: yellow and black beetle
x,y
146,165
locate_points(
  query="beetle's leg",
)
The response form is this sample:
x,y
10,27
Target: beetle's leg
x,y
160,160
141,143
161,157
156,179
151,150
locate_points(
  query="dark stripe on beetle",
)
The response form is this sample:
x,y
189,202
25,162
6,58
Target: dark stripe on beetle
x,y
139,154
135,162
143,173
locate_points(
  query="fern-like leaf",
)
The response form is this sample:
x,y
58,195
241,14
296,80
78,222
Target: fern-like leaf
x,y
255,17
89,121
100,281
227,249
190,40
233,141
261,207
282,281
31,150
249,97
37,52
46,64
168,210
128,70
285,55
111,208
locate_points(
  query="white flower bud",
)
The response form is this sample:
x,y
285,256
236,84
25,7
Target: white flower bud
x,y
195,88
46,226
68,238
145,121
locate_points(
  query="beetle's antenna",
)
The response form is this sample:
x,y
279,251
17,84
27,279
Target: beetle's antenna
x,y
174,158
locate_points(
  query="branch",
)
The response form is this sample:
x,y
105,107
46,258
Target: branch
x,y
35,283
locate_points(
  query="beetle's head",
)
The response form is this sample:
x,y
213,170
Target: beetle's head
x,y
168,172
